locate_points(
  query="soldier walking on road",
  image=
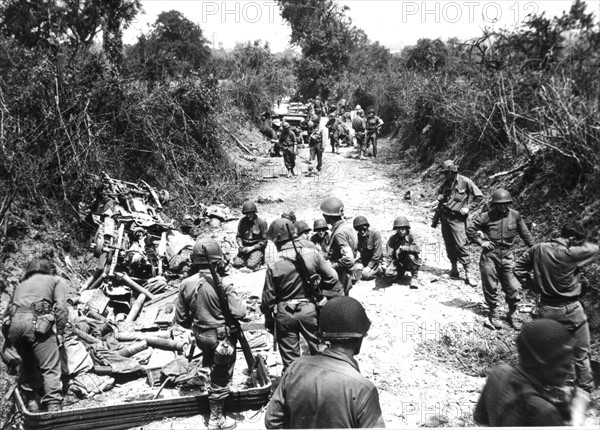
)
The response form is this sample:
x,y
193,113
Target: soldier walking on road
x,y
556,267
288,143
37,303
284,289
343,242
370,247
456,197
499,227
373,125
198,307
320,236
402,253
327,390
251,238
333,126
359,126
315,144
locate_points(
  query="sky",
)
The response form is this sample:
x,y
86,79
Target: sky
x,y
393,23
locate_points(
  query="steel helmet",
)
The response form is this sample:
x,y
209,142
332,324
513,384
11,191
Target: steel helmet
x,y
400,222
38,265
320,224
301,227
331,115
360,220
343,318
332,206
249,206
360,112
285,125
206,246
449,166
501,196
371,110
278,230
358,107
543,342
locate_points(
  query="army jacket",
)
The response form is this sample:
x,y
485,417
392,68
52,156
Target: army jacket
x,y
460,193
321,244
397,244
252,233
371,249
498,229
342,245
287,138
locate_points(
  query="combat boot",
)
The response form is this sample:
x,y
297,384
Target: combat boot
x,y
217,420
468,275
414,281
454,271
495,322
512,319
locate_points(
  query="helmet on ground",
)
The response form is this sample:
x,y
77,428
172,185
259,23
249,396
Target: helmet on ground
x,y
38,265
343,318
204,247
320,224
249,206
501,196
285,125
401,222
360,221
449,166
278,230
301,227
543,342
332,206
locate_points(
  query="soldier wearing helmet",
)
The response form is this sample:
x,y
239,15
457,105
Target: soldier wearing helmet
x,y
251,238
198,308
456,197
343,242
38,304
402,253
333,128
370,248
289,144
315,145
320,236
328,390
373,125
359,126
499,228
286,300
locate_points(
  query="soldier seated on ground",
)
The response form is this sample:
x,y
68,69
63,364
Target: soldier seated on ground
x,y
402,253
251,238
321,236
370,247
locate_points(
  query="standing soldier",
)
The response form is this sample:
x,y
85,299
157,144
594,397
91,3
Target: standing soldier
x,y
318,105
251,238
556,267
373,125
402,253
315,143
370,248
456,197
359,126
327,390
37,303
343,242
500,227
333,126
198,307
321,236
288,143
285,290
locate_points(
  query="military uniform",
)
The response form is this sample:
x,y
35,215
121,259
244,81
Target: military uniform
x,y
198,308
251,234
497,265
315,144
359,126
296,313
324,391
342,252
322,244
556,275
288,141
333,125
371,254
372,125
401,256
33,302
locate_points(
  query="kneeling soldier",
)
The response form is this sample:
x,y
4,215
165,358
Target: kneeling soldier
x,y
402,253
251,238
370,248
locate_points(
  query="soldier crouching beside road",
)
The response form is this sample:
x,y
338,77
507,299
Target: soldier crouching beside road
x,y
251,238
402,253
370,248
37,303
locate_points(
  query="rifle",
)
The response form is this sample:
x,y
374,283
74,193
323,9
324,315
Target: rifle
x,y
437,214
230,320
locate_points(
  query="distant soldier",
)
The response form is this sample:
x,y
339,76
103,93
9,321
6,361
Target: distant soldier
x,y
198,307
370,248
333,126
499,227
556,267
38,303
343,242
373,126
315,144
295,312
251,238
327,390
359,126
402,253
320,236
318,105
307,127
288,143
456,197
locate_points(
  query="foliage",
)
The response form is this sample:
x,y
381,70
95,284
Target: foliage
x,y
427,55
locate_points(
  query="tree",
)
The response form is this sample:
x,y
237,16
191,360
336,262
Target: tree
x,y
427,55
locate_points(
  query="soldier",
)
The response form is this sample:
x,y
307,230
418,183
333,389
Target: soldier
x,y
521,396
359,126
373,125
327,390
342,245
370,248
402,253
198,307
321,236
333,126
37,303
456,197
315,143
318,106
556,267
251,238
296,312
302,229
499,227
288,143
